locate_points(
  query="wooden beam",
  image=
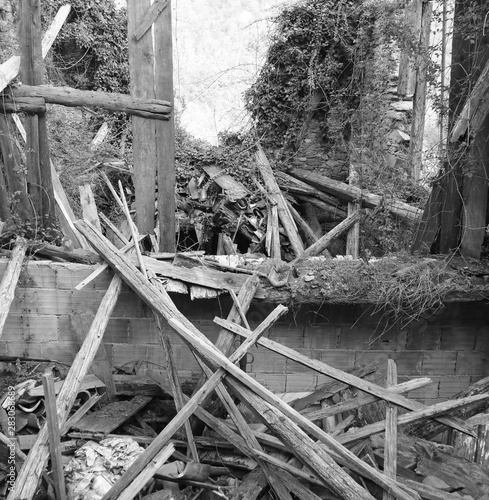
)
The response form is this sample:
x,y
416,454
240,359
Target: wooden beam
x,y
118,103
23,105
326,240
350,193
54,436
40,186
390,453
407,418
142,85
283,211
10,279
320,367
165,131
28,478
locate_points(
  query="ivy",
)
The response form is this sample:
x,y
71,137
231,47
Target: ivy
x,y
91,51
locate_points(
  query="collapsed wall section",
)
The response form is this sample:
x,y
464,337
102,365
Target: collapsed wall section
x,y
48,315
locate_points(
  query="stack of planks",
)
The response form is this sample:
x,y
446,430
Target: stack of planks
x,y
287,452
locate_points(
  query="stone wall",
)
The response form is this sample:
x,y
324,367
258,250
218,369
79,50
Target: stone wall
x,y
451,347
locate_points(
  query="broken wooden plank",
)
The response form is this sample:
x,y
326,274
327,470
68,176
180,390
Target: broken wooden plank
x,y
10,279
234,190
28,478
475,108
429,430
339,375
84,408
155,109
89,208
283,212
112,415
54,436
358,402
326,240
132,491
390,453
10,68
426,412
350,193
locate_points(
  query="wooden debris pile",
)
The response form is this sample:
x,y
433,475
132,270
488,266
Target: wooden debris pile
x,y
232,437
284,217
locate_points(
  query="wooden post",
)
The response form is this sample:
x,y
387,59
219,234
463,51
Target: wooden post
x,y
390,455
37,153
419,104
54,437
17,186
353,235
165,131
142,82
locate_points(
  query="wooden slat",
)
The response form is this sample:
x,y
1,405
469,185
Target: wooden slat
x,y
10,279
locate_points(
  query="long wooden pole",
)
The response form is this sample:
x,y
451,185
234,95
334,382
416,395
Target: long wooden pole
x,y
165,131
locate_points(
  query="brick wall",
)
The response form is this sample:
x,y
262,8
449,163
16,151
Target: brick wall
x,y
451,347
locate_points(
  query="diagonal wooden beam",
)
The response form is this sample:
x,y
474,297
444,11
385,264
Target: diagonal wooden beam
x,y
342,376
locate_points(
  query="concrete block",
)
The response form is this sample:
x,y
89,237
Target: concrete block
x,y
458,338
265,361
27,349
338,358
43,301
298,382
449,386
392,340
439,363
129,354
321,336
129,305
273,382
61,351
355,337
472,363
37,275
425,337
31,328
143,331
294,367
3,347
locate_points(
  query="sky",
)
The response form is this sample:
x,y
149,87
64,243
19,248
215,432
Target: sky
x,y
218,49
